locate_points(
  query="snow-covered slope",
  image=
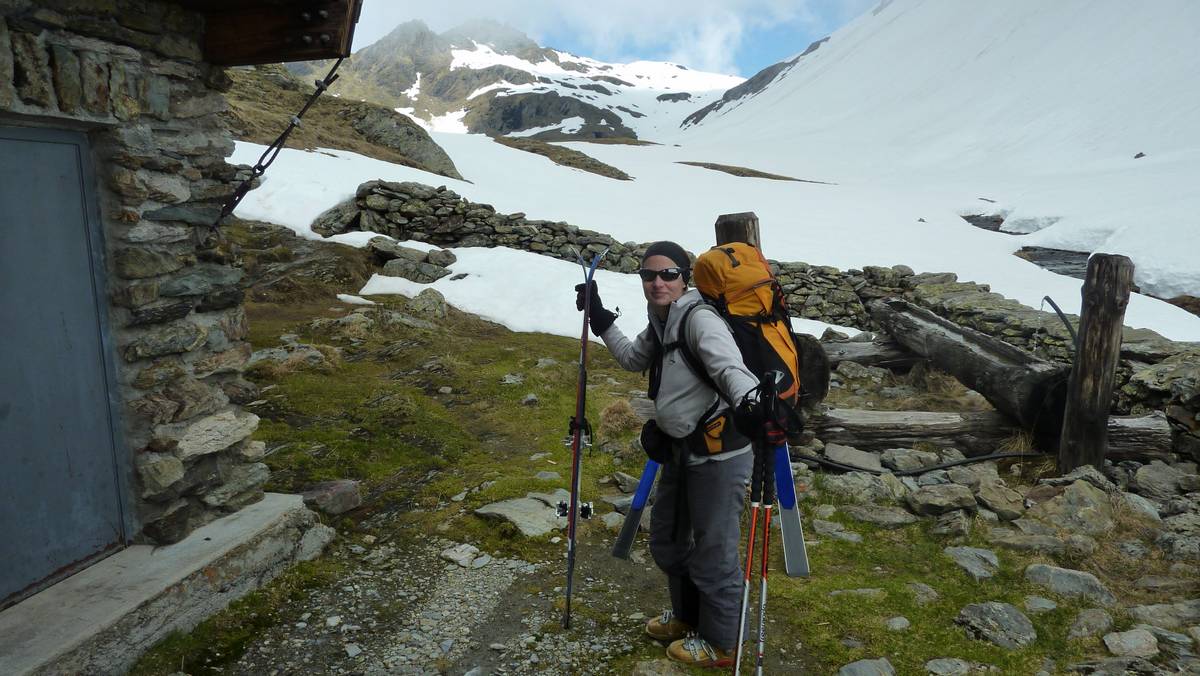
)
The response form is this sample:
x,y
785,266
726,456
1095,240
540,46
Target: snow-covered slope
x,y
912,115
1039,106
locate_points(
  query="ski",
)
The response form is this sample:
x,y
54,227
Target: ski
x,y
634,518
580,433
795,554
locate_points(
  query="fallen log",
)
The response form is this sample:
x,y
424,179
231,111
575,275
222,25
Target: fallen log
x,y
1028,389
975,433
886,354
1141,438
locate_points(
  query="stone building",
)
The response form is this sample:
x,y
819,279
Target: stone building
x,y
123,334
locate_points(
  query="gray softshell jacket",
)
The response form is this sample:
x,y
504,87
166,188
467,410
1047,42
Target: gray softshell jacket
x,y
683,397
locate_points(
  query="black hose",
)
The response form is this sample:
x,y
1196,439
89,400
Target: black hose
x,y
1063,317
912,472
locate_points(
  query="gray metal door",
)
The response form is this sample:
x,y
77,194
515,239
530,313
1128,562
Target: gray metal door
x,y
60,485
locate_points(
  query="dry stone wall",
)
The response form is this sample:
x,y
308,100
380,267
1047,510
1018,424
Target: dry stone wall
x,y
129,73
1155,373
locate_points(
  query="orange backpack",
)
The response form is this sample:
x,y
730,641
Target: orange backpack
x,y
735,279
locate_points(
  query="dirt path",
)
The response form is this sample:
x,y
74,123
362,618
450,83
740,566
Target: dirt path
x,y
403,609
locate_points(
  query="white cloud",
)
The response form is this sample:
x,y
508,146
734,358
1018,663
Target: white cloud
x,y
700,34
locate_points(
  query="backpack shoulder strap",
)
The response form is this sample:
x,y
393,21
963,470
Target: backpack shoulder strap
x,y
689,356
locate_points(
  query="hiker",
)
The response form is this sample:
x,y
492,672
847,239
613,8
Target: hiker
x,y
695,523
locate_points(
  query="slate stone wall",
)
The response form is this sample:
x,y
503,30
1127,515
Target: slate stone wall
x,y
130,74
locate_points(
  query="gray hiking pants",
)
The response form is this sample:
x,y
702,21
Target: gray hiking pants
x,y
695,528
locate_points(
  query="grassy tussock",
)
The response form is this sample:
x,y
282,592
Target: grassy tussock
x,y
746,172
619,418
564,156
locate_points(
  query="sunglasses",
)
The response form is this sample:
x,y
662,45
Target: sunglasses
x,y
666,274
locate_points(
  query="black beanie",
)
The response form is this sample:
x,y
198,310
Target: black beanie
x,y
670,250
675,253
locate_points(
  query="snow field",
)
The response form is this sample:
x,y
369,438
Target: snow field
x,y
844,226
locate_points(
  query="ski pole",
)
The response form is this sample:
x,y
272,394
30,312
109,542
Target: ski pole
x,y
768,499
755,497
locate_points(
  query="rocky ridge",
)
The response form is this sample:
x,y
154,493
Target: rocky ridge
x,y
492,79
263,98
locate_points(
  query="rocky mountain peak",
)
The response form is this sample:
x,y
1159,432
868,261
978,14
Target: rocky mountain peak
x,y
484,76
413,41
502,38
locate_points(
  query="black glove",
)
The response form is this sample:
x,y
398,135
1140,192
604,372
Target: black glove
x,y
749,416
754,420
656,443
601,319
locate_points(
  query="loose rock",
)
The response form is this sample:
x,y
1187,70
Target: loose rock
x,y
883,516
998,623
980,564
1090,622
1157,481
923,593
948,666
1070,583
848,455
1082,508
1004,501
1168,615
878,667
333,497
906,459
952,524
939,499
835,530
463,554
533,517
1039,604
1132,643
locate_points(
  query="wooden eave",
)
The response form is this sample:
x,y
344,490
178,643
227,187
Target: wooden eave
x,y
245,32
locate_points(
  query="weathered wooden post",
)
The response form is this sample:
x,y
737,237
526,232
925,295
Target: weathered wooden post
x,y
741,227
1089,392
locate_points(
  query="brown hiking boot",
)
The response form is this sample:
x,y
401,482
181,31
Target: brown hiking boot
x,y
667,628
695,651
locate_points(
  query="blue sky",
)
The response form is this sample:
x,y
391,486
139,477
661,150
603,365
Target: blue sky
x,y
730,36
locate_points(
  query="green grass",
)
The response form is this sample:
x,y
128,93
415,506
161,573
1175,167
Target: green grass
x,y
379,417
383,422
890,560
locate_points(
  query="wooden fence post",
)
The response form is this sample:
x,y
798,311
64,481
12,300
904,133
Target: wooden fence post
x,y
1089,393
741,227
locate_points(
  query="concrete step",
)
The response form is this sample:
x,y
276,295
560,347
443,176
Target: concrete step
x,y
100,620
